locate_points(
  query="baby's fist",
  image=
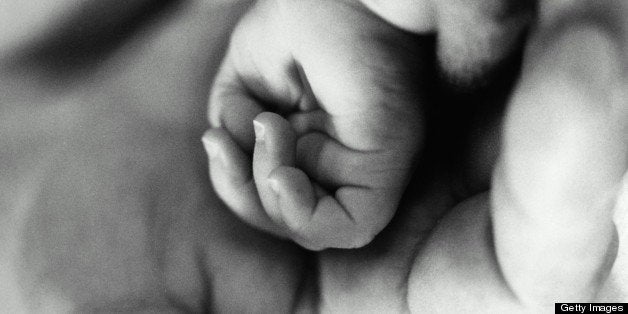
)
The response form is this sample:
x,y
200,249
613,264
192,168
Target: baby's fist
x,y
331,171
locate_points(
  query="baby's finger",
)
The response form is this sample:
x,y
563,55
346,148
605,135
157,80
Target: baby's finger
x,y
230,173
274,146
231,107
564,155
296,200
312,121
349,219
333,164
258,74
367,187
331,221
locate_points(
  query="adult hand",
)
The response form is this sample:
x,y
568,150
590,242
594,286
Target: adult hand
x,y
548,231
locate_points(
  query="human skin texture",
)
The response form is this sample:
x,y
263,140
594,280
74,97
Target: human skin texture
x,y
346,83
473,36
489,236
105,204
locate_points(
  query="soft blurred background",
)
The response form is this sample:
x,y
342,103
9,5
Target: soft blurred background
x,y
103,183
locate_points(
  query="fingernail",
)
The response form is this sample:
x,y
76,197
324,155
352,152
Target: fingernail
x,y
274,185
210,147
259,131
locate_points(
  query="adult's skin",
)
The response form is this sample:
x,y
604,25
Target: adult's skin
x,y
106,205
552,227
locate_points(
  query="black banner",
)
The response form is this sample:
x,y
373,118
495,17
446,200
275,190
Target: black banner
x,y
590,308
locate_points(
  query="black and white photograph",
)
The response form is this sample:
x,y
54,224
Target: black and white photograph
x,y
313,156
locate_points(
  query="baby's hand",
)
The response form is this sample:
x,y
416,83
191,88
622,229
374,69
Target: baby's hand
x,y
329,171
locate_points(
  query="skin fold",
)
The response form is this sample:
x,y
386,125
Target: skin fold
x,y
347,83
353,124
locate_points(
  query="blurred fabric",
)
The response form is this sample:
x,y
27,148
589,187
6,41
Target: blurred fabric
x,y
104,202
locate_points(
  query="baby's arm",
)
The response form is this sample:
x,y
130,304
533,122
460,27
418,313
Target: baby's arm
x,y
331,173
